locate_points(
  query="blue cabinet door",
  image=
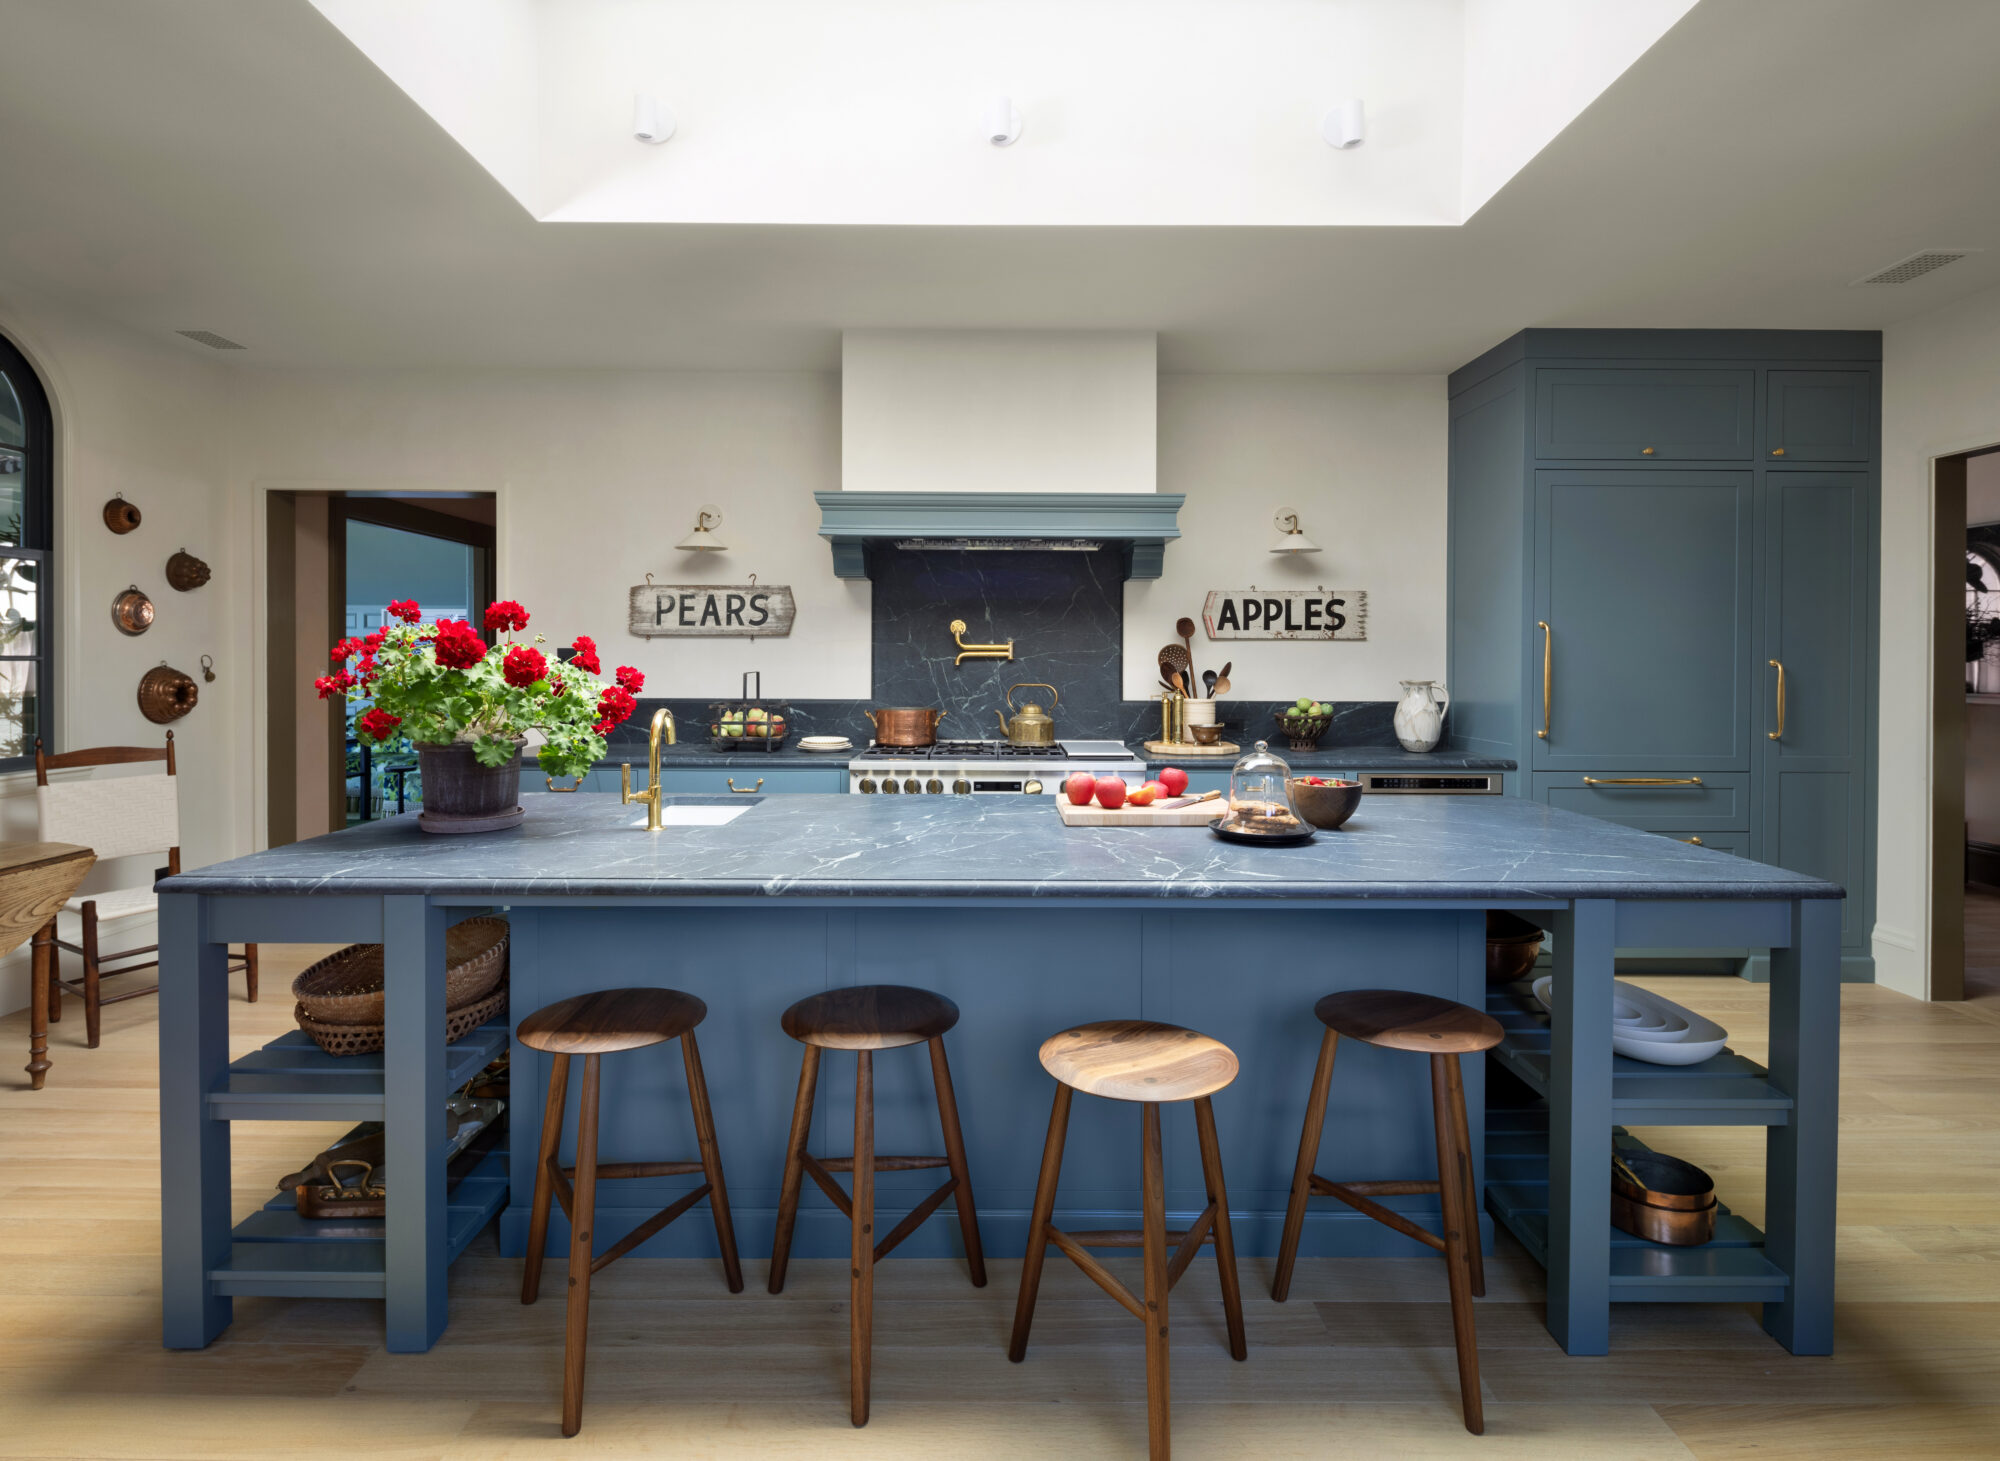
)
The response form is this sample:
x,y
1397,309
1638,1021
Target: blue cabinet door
x,y
1819,416
1815,624
1645,415
1644,581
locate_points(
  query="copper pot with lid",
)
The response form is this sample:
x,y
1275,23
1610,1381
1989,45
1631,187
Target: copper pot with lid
x,y
902,726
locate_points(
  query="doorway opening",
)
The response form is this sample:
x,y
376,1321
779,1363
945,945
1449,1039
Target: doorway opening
x,y
1974,476
336,560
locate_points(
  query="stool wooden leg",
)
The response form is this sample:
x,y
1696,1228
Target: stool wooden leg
x,y
1295,1210
1462,1140
1038,1224
41,979
954,1152
538,1218
861,1278
583,1218
711,1164
92,1009
795,1168
1225,1240
1457,1221
1153,1244
250,973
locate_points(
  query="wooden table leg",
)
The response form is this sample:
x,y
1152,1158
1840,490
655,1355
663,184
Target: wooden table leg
x,y
1579,1303
41,974
1800,1157
413,1139
194,1149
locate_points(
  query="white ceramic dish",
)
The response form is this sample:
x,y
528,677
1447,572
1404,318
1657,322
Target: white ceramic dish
x,y
1681,1038
825,743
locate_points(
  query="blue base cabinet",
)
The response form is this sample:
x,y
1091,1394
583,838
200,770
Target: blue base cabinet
x,y
1663,565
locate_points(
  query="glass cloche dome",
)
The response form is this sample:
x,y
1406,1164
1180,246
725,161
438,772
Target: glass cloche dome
x,y
1260,808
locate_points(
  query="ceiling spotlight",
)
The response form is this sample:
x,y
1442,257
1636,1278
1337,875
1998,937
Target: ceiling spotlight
x,y
1003,122
1346,125
651,122
703,538
1290,538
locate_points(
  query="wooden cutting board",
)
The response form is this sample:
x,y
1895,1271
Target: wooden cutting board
x,y
1182,812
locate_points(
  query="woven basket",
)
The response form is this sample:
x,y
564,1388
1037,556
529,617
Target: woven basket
x,y
345,988
361,1039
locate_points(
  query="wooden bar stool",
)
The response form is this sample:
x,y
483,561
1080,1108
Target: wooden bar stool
x,y
865,1019
1138,1060
593,1025
1444,1030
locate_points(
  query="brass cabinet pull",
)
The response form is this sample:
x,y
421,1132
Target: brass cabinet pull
x,y
575,785
745,790
1645,451
1779,733
1642,781
1696,841
1548,675
1777,451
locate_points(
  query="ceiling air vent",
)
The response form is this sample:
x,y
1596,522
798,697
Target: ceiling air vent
x,y
212,340
1915,266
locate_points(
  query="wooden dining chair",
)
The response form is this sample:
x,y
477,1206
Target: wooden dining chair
x,y
124,816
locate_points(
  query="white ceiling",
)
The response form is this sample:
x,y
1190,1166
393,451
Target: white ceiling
x,y
240,167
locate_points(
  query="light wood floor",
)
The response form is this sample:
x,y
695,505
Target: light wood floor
x,y
1358,1364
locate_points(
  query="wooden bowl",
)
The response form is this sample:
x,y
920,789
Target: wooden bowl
x,y
1326,807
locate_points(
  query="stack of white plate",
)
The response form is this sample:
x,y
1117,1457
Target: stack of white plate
x,y
1647,1027
825,743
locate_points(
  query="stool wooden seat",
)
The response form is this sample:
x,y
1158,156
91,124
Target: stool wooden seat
x,y
865,1019
594,1025
869,1017
1445,1030
1147,1063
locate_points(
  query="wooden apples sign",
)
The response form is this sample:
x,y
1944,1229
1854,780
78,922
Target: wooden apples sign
x,y
1254,613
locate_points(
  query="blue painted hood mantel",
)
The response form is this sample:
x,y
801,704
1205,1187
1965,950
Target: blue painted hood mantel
x,y
1029,927
1480,849
1138,524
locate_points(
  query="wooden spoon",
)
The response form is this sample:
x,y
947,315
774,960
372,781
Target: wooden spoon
x,y
1185,628
1174,657
1222,681
1208,679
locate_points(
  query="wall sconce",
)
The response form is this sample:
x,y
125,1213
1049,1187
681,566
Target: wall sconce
x,y
1003,122
1346,125
651,122
703,539
1290,538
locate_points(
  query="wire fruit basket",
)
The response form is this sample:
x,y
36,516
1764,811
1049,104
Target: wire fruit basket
x,y
751,723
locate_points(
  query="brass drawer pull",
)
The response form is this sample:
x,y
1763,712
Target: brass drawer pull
x,y
1645,451
551,782
745,790
1642,781
1777,451
1694,840
1548,675
1779,733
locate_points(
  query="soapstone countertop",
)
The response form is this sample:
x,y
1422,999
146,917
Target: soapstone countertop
x,y
1492,849
697,754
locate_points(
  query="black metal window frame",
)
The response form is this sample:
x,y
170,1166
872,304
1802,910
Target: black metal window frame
x,y
37,540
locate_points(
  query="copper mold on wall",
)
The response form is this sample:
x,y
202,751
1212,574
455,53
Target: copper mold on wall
x,y
132,612
166,694
120,516
185,571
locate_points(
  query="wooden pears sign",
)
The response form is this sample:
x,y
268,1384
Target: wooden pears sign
x,y
712,610
1254,613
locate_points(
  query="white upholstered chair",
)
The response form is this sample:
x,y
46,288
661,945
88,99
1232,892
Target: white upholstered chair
x,y
124,816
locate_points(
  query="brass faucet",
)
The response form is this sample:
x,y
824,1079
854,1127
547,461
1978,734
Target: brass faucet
x,y
662,717
978,651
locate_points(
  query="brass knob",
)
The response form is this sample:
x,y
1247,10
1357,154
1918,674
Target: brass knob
x,y
961,787
889,787
865,785
1645,451
1033,788
933,786
911,786
1777,451
1695,840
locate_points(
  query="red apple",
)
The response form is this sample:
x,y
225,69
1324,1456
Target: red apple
x,y
1142,796
1173,780
1110,792
1081,788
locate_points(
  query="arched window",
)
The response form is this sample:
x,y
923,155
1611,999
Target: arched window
x,y
27,501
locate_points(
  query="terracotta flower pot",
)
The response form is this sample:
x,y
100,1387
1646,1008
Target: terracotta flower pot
x,y
460,795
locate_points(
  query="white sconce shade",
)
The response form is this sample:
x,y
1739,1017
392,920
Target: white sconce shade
x,y
1346,125
1290,538
1003,122
703,539
651,122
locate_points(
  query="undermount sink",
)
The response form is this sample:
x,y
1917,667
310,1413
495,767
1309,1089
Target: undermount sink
x,y
701,811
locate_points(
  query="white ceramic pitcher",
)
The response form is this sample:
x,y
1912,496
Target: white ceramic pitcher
x,y
1420,714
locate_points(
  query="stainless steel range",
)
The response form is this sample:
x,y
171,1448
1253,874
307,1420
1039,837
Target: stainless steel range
x,y
986,768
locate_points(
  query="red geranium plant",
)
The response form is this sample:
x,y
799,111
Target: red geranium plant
x,y
439,683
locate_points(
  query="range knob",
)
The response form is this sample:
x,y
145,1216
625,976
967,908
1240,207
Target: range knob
x,y
933,786
912,786
1033,788
889,785
865,785
961,787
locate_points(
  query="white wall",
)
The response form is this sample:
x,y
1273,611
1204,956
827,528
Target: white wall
x,y
1940,396
148,420
998,410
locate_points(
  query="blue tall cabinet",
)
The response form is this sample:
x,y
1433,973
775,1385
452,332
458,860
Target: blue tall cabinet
x,y
1663,576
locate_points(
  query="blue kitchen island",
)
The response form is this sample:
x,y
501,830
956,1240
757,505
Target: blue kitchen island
x,y
1030,926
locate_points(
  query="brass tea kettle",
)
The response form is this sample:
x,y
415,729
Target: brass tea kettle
x,y
1031,725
